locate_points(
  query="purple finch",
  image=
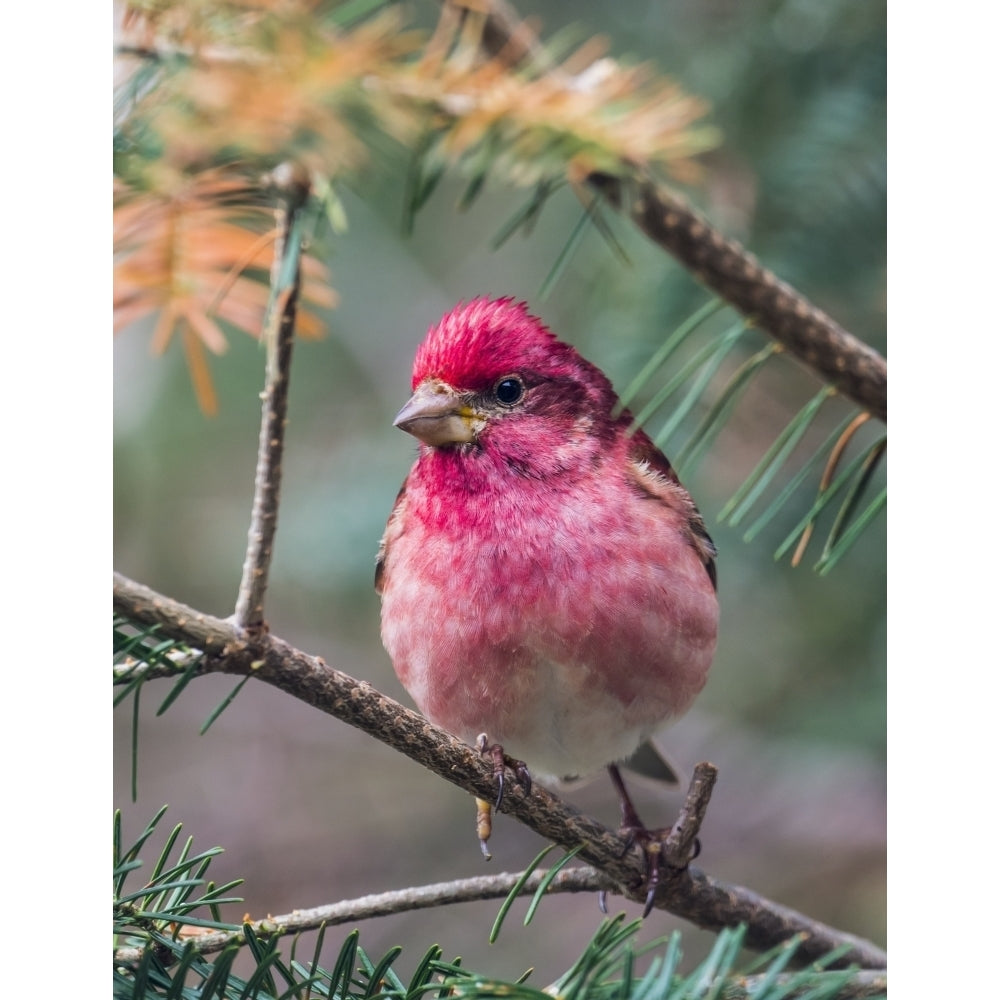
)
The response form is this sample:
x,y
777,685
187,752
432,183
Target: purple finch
x,y
545,578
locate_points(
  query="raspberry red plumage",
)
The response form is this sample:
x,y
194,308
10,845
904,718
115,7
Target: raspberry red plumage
x,y
544,577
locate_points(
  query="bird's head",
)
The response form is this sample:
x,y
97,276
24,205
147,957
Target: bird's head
x,y
490,372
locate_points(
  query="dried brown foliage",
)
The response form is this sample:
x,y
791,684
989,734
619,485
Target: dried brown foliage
x,y
196,255
214,94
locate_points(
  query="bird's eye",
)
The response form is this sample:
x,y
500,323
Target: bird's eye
x,y
509,390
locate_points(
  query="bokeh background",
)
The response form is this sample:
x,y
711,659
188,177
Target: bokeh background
x,y
310,811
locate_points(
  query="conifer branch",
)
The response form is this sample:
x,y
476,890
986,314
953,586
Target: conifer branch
x,y
687,893
856,370
383,904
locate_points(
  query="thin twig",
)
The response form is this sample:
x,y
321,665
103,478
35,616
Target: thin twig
x,y
293,187
383,904
679,845
722,264
689,893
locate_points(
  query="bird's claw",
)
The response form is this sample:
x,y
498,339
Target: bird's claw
x,y
500,764
650,842
657,846
657,861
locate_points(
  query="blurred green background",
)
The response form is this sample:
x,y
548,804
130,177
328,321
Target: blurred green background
x,y
310,811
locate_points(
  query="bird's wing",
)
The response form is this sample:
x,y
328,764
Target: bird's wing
x,y
393,529
651,472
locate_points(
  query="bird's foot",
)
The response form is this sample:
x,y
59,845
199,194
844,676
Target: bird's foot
x,y
658,847
655,846
484,809
494,751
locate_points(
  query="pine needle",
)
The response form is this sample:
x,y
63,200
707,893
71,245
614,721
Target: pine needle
x,y
793,484
664,351
718,355
566,254
774,458
224,705
852,534
720,411
822,500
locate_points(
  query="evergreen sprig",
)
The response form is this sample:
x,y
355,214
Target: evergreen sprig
x,y
710,349
157,918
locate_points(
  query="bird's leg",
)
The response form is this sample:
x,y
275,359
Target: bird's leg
x,y
649,841
484,809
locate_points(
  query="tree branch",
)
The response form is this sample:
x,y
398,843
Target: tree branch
x,y
292,185
383,904
688,893
856,370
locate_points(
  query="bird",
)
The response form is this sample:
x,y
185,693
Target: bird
x,y
548,586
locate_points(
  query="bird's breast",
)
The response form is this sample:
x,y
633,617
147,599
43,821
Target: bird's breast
x,y
567,625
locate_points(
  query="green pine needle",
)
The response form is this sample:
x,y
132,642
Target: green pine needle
x,y
185,679
626,986
603,227
570,248
711,974
265,955
124,644
135,746
795,482
314,967
515,892
543,886
657,981
131,688
179,973
672,385
343,968
853,498
423,973
133,852
224,705
822,501
851,535
421,179
720,411
664,351
718,353
142,973
782,955
161,861
769,466
217,979
378,972
526,216
331,205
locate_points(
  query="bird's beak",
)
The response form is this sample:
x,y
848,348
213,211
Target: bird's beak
x,y
439,415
